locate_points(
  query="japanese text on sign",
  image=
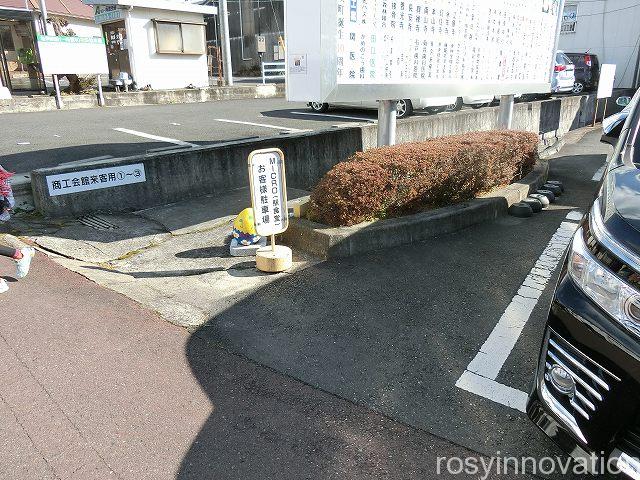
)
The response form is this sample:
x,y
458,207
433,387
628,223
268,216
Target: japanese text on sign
x,y
365,50
74,182
268,191
418,40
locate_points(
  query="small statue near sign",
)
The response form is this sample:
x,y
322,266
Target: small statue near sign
x,y
246,240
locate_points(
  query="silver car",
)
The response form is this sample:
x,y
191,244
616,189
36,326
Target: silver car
x,y
564,77
405,107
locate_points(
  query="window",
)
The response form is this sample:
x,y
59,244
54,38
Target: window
x,y
569,19
181,38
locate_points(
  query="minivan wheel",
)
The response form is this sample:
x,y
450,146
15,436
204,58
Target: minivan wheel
x,y
404,108
578,87
319,107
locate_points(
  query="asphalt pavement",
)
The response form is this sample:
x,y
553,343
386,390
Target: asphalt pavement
x,y
394,330
45,139
93,386
347,369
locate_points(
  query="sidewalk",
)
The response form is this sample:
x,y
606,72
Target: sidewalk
x,y
172,259
93,386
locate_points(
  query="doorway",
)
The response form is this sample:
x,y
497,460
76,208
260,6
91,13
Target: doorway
x,y
19,64
115,35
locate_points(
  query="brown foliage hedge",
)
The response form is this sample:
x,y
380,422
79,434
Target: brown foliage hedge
x,y
404,179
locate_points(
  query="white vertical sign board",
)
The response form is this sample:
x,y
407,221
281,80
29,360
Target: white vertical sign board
x,y
79,55
388,49
605,82
268,191
262,44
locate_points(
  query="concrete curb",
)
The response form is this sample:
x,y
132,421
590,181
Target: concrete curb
x,y
330,242
549,151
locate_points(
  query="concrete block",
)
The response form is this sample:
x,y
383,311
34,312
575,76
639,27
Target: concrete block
x,y
237,250
336,242
299,206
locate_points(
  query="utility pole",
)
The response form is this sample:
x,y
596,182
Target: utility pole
x,y
56,84
223,16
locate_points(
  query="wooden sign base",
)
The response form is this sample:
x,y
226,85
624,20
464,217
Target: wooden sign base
x,y
274,259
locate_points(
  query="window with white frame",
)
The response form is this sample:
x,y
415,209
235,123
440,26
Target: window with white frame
x,y
180,37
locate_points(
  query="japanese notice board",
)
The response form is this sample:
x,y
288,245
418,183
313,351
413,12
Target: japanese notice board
x,y
79,55
268,191
363,50
74,182
606,80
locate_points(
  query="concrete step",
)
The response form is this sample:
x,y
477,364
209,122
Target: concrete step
x,y
21,186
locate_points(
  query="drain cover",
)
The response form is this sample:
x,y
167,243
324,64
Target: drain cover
x,y
97,222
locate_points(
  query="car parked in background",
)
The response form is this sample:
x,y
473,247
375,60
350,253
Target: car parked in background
x,y
474,101
587,71
406,107
563,78
586,394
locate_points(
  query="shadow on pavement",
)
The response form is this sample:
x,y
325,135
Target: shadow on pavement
x,y
27,161
207,252
160,273
391,332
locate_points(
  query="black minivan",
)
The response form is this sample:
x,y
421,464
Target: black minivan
x,y
586,394
587,71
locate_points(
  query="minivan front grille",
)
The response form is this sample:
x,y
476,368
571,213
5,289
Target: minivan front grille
x,y
630,442
593,382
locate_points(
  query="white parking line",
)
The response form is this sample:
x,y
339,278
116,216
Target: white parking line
x,y
286,129
348,117
599,173
480,375
494,391
155,137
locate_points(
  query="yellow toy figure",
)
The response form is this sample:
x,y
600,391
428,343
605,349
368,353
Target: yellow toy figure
x,y
245,238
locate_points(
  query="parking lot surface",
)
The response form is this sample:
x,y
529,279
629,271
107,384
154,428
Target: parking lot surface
x,y
46,139
396,329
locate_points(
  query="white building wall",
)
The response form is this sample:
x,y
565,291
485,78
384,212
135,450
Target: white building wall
x,y
610,29
84,28
161,70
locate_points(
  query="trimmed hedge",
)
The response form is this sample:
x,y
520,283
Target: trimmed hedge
x,y
404,179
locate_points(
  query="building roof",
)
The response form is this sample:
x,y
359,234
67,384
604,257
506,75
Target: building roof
x,y
66,8
173,5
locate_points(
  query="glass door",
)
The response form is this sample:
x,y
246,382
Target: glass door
x,y
20,65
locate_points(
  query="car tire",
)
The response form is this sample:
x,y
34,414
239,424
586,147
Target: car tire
x,y
521,210
404,108
454,107
319,107
557,191
534,203
578,88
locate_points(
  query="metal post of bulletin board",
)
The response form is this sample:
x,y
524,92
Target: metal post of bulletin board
x,y
56,84
387,122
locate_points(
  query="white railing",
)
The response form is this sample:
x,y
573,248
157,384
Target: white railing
x,y
272,71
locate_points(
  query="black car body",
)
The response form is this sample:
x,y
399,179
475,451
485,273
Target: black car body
x,y
587,71
586,394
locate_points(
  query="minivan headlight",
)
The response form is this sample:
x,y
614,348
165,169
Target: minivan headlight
x,y
610,292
